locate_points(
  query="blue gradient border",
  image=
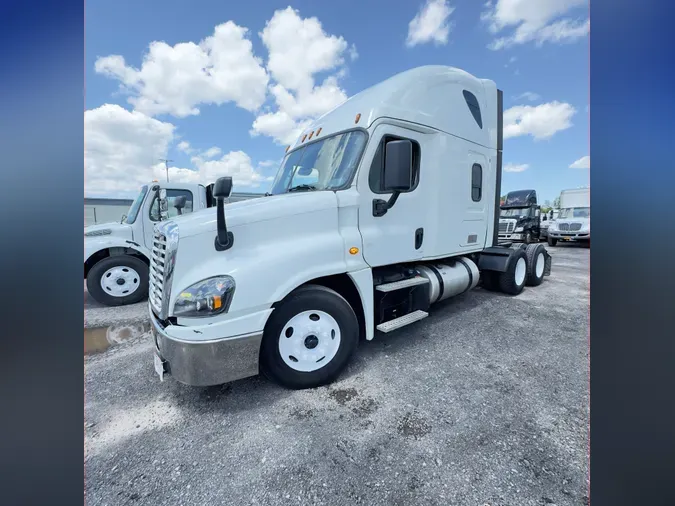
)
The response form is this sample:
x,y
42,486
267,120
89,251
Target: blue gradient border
x,y
41,134
632,274
632,301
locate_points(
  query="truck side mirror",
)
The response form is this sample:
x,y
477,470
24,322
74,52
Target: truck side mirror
x,y
222,190
398,166
179,203
222,187
163,204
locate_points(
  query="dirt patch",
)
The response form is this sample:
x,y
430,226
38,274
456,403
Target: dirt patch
x,y
413,425
365,407
343,395
302,414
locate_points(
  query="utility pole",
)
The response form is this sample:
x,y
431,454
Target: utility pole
x,y
166,162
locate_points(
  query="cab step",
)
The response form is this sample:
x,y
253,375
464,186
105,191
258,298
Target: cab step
x,y
402,321
404,283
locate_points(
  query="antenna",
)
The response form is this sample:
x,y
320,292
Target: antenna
x,y
166,162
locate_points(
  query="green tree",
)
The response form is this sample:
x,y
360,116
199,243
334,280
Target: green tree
x,y
556,203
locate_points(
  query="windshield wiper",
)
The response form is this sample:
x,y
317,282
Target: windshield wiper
x,y
302,187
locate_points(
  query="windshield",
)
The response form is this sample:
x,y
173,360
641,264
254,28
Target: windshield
x,y
514,213
575,212
135,207
327,164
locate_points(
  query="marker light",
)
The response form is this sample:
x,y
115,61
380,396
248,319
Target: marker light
x,y
353,250
358,117
318,132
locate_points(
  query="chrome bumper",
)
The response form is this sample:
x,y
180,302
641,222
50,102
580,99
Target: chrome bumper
x,y
511,237
207,363
570,236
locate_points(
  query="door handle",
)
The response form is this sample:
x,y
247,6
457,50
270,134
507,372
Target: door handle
x,y
419,238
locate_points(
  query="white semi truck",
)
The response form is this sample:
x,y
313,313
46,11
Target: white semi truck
x,y
382,207
573,223
117,255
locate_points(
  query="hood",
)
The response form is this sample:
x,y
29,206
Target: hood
x,y
238,214
107,229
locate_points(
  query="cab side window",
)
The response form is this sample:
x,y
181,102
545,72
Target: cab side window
x,y
171,198
377,166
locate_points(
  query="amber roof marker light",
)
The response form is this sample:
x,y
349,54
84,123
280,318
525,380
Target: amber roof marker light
x,y
358,117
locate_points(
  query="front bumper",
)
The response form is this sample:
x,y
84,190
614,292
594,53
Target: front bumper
x,y
206,362
569,236
511,237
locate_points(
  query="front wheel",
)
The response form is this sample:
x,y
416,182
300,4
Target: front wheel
x,y
528,237
118,280
309,338
552,242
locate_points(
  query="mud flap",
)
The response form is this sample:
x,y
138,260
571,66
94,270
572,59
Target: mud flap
x,y
547,263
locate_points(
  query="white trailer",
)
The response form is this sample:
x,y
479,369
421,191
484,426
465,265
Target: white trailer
x,y
573,223
382,207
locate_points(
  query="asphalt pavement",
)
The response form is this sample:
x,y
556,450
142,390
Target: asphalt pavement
x,y
485,402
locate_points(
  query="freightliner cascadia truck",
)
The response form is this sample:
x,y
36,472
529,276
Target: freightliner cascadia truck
x,y
384,206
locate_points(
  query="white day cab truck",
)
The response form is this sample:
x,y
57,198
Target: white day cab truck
x,y
384,206
573,223
117,255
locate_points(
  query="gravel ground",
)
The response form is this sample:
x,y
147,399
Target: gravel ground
x,y
483,403
97,315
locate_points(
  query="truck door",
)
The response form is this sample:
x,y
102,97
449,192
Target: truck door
x,y
398,235
151,216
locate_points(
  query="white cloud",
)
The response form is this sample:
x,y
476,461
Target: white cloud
x,y
537,21
236,164
528,95
121,148
299,49
178,79
123,151
513,167
184,146
541,121
430,24
582,163
211,152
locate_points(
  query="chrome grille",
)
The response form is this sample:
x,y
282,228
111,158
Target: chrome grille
x,y
162,261
506,228
564,226
157,267
575,227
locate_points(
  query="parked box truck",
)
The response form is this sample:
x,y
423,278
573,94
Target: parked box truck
x,y
573,223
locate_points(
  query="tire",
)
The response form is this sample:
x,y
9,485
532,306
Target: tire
x,y
552,242
536,261
296,314
103,287
489,281
512,281
528,238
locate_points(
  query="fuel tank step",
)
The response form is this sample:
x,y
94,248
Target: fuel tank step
x,y
404,283
402,321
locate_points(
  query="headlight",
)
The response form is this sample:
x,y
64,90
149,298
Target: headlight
x,y
586,227
518,229
553,226
209,297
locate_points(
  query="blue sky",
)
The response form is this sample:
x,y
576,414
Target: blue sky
x,y
142,102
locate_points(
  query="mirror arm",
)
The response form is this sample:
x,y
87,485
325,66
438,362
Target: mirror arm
x,y
224,238
380,207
